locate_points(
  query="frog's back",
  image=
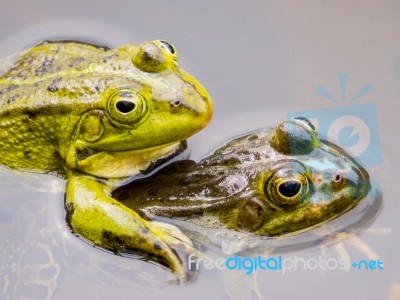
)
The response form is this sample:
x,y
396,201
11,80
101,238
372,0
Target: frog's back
x,y
51,58
38,95
36,77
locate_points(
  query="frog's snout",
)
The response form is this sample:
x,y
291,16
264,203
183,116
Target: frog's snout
x,y
363,184
344,181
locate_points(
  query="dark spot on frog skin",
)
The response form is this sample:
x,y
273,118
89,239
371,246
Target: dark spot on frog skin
x,y
108,58
157,246
231,161
27,154
109,80
253,137
76,61
228,161
45,67
8,89
115,242
12,99
37,83
99,86
31,113
257,156
54,86
25,120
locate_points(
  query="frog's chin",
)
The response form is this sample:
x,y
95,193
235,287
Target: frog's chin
x,y
123,164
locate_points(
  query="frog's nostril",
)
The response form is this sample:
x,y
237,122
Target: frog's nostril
x,y
176,103
337,177
339,181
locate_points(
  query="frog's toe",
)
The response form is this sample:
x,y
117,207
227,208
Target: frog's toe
x,y
175,233
175,239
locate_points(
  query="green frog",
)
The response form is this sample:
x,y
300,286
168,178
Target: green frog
x,y
270,182
97,116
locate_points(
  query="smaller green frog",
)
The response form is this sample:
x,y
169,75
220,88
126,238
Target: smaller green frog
x,y
271,182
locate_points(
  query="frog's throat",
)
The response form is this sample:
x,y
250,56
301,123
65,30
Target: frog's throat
x,y
121,164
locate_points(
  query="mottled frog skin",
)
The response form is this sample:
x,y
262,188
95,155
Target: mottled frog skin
x,y
98,116
271,182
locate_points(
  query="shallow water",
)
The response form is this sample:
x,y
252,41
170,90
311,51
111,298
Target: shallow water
x,y
259,63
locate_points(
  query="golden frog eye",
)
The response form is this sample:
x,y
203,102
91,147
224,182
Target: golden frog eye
x,y
288,186
127,106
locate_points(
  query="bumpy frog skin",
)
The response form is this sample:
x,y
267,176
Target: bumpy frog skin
x,y
271,182
98,116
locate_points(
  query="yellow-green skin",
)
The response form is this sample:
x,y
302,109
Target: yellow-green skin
x,y
99,116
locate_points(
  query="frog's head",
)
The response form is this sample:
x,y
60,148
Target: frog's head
x,y
310,182
148,107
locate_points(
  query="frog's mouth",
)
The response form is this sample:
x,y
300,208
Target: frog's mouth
x,y
122,164
182,147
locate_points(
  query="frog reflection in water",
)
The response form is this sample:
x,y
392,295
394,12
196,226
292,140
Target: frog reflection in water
x,y
271,182
96,117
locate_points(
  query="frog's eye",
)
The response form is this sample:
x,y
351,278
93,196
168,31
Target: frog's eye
x,y
288,185
127,106
167,46
289,188
155,56
295,137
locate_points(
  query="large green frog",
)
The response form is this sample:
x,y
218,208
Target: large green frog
x,y
97,117
270,182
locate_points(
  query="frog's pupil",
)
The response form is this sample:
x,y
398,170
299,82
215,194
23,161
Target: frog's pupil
x,y
169,46
125,106
289,188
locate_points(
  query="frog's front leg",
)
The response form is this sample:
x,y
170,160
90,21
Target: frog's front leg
x,y
95,215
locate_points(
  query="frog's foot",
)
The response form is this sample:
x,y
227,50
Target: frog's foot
x,y
174,238
178,239
93,214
